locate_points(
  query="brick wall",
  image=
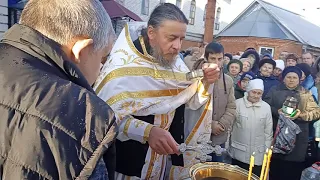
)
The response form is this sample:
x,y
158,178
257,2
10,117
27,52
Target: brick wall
x,y
236,44
187,44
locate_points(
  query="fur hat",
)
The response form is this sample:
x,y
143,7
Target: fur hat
x,y
269,61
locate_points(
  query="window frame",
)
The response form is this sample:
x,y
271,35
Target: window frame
x,y
145,5
217,26
180,3
192,13
266,48
205,12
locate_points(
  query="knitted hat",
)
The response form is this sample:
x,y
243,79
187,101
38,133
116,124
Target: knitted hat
x,y
305,68
293,69
269,61
255,84
228,55
280,64
248,75
235,62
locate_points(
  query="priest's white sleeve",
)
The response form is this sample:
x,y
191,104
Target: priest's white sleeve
x,y
131,128
202,95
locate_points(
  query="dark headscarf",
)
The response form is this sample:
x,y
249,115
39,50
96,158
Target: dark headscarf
x,y
228,55
255,65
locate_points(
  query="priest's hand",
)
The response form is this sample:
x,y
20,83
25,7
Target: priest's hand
x,y
162,142
211,72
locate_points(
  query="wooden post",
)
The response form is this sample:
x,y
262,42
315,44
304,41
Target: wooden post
x,y
209,22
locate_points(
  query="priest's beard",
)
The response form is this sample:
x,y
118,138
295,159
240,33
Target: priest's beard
x,y
156,53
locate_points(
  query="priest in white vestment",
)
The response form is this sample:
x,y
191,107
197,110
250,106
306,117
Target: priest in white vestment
x,y
144,81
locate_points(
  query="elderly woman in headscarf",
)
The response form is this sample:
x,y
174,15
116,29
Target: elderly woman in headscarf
x,y
247,66
254,58
234,68
252,129
290,166
227,58
266,67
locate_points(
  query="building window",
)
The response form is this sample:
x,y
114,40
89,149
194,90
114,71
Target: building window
x,y
216,26
178,3
192,12
205,13
217,20
145,7
263,50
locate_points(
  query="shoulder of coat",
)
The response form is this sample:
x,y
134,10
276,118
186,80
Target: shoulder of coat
x,y
198,64
265,105
228,79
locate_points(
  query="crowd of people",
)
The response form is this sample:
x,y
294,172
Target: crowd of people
x,y
77,102
251,94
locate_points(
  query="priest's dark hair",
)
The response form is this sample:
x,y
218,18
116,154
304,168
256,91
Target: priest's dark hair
x,y
213,48
166,11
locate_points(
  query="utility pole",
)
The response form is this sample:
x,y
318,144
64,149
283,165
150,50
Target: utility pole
x,y
209,21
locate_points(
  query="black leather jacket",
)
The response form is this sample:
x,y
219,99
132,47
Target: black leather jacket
x,y
52,125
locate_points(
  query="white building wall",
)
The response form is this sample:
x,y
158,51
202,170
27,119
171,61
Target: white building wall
x,y
135,6
3,16
195,31
225,6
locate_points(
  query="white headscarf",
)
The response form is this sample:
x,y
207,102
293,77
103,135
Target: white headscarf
x,y
255,84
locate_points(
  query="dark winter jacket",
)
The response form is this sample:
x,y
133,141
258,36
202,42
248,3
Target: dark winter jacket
x,y
52,126
238,91
309,111
268,83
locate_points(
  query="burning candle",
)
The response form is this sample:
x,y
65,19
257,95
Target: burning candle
x,y
268,164
265,159
251,166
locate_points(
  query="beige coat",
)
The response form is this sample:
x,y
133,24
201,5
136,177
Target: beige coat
x,y
309,108
252,131
224,107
